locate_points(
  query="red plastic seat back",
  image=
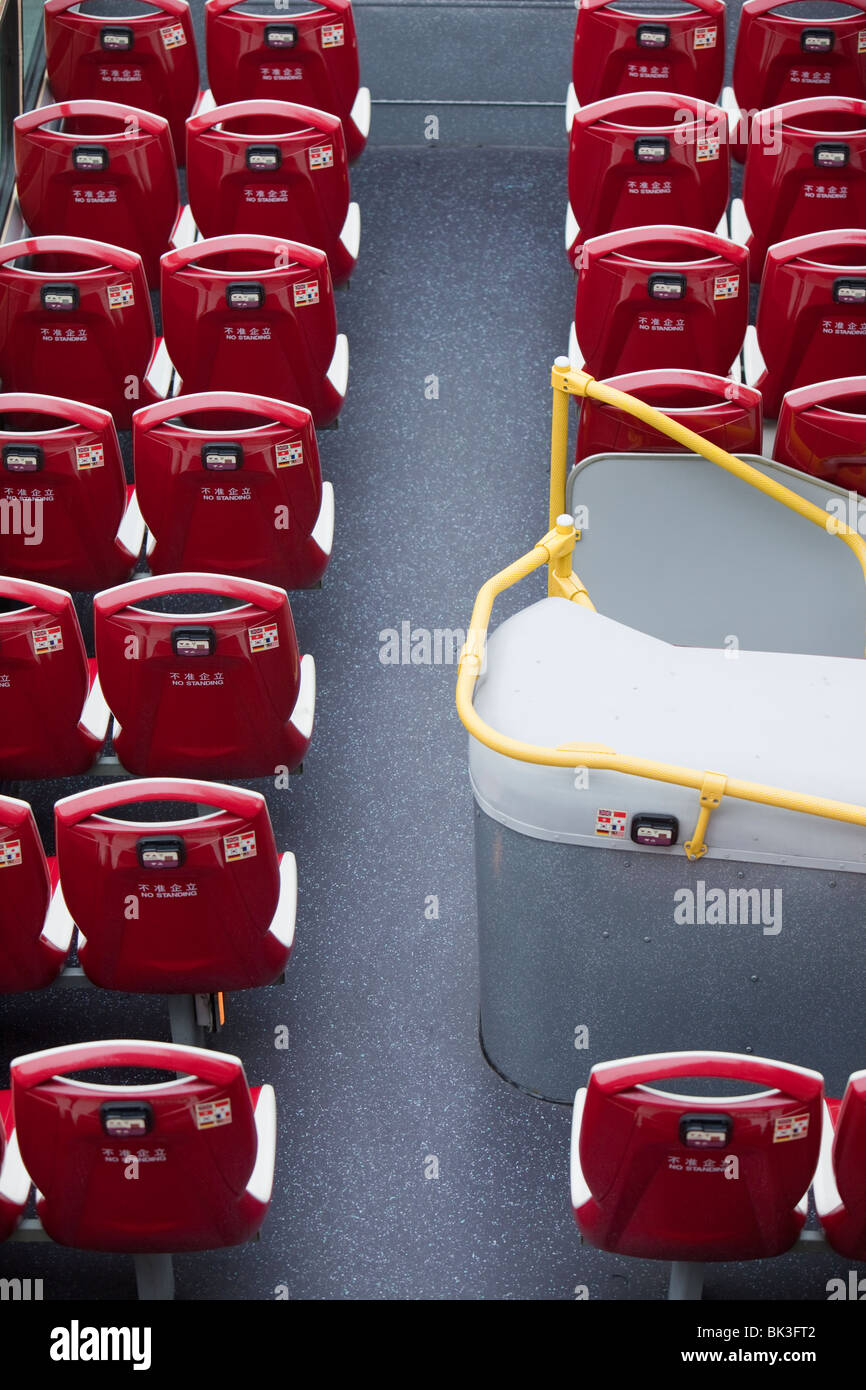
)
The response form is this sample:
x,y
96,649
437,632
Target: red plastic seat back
x,y
25,892
147,59
652,157
781,58
106,171
252,313
230,482
816,180
847,1232
720,410
273,168
44,681
617,51
310,58
61,475
200,694
176,905
76,318
661,296
192,1141
655,1162
811,318
822,431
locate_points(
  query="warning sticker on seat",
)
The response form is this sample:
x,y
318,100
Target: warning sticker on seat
x,y
240,846
10,854
322,157
47,639
89,456
173,36
861,41
263,638
726,287
210,1113
706,37
790,1127
333,35
307,292
121,296
611,824
707,148
289,455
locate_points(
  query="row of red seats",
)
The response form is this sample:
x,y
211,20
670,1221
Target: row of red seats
x,y
660,157
668,296
661,1175
311,58
201,1142
218,692
821,428
106,171
179,905
225,482
777,54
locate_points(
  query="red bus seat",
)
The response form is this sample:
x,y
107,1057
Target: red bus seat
x,y
816,181
646,157
220,693
148,59
34,937
232,482
278,169
648,1166
177,905
839,1188
100,170
623,51
811,321
781,57
822,431
660,296
256,314
203,1144
310,58
52,715
722,411
76,314
14,1178
61,469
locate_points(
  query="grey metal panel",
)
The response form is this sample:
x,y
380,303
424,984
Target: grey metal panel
x,y
573,937
678,548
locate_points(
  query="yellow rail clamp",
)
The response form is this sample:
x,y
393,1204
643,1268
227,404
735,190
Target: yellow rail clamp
x,y
712,791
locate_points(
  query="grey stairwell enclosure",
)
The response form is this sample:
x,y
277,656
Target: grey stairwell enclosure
x,y
593,946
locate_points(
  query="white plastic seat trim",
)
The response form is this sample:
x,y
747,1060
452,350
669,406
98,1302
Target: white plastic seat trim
x,y
130,532
14,1179
350,235
361,112
338,371
305,705
580,1193
184,232
161,370
283,924
741,227
572,230
824,1189
323,531
205,102
59,922
572,106
731,108
753,358
96,716
261,1183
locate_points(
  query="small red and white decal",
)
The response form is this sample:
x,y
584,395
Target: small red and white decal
x,y
264,638
611,824
333,35
790,1127
307,292
210,1113
706,37
240,846
707,147
173,36
10,854
290,455
322,157
47,639
726,287
861,41
89,456
121,296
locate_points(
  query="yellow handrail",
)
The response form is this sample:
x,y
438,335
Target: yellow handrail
x,y
555,550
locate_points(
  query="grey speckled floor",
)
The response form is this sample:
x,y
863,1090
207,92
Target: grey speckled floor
x,y
463,278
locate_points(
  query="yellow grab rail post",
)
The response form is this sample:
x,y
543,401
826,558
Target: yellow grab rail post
x,y
556,549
